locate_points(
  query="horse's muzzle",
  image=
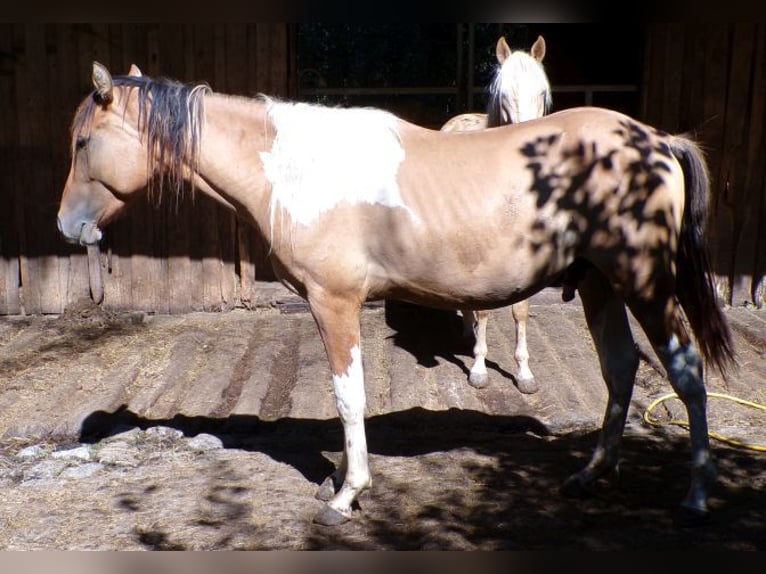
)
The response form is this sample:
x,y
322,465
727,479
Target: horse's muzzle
x,y
87,233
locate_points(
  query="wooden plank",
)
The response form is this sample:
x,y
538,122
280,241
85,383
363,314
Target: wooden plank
x,y
751,247
195,214
672,73
63,61
238,60
733,160
714,110
30,76
177,207
278,59
691,115
224,73
10,294
135,266
158,215
653,64
209,239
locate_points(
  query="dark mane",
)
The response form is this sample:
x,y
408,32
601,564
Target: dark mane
x,y
170,118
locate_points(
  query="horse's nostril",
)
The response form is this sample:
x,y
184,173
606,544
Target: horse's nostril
x,y
58,224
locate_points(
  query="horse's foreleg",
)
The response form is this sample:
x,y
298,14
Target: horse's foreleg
x,y
524,377
682,361
338,321
608,324
478,376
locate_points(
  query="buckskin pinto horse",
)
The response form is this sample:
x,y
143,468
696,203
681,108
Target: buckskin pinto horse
x,y
519,91
358,205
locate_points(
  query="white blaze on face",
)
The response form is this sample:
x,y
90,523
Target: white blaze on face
x,y
321,157
524,87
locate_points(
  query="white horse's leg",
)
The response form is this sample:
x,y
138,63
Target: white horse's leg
x,y
684,366
524,377
608,324
339,327
478,376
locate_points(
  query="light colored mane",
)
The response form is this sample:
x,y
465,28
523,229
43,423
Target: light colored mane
x,y
519,72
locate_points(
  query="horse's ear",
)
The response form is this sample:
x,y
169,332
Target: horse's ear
x,y
102,81
134,70
502,50
538,49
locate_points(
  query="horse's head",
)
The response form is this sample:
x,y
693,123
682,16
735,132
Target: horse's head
x,y
108,159
520,90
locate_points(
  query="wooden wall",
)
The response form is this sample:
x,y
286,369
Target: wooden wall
x,y
710,80
162,258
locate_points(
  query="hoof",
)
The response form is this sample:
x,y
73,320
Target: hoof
x,y
328,516
326,490
575,487
690,517
527,386
478,380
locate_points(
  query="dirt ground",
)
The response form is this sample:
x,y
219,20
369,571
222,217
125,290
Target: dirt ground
x,y
125,431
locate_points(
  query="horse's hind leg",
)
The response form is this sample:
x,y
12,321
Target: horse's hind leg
x,y
478,376
524,377
661,320
608,324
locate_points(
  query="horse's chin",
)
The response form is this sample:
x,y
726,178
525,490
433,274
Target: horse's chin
x,y
90,234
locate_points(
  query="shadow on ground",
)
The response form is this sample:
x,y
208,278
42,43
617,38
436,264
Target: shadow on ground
x,y
459,501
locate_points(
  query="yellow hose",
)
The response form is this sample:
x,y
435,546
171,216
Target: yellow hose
x,y
657,423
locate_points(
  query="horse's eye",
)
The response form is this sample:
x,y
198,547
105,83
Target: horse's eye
x,y
82,142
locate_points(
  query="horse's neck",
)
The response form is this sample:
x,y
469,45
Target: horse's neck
x,y
235,132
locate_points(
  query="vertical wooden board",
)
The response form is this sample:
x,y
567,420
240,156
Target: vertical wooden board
x,y
691,116
238,80
278,57
653,81
672,73
732,169
10,302
261,58
207,226
138,255
159,204
195,214
751,259
646,74
25,166
224,71
177,207
714,108
65,97
258,268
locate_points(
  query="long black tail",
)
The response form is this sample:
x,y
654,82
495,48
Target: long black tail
x,y
696,291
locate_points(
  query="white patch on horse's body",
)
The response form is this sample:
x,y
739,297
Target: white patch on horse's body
x,y
322,157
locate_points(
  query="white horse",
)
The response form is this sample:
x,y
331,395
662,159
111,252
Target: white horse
x,y
520,91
